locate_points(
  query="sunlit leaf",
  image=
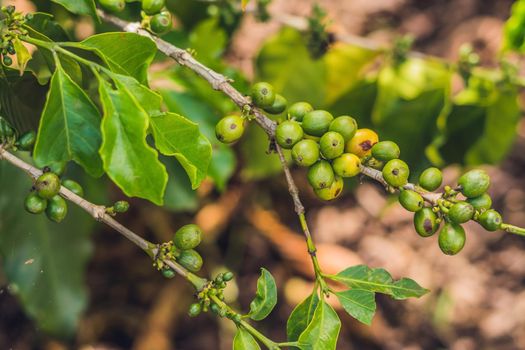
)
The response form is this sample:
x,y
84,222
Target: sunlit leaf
x,y
379,280
301,317
70,126
323,330
128,160
243,340
265,297
360,304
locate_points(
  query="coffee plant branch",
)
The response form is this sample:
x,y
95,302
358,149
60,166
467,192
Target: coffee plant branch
x,y
98,212
222,83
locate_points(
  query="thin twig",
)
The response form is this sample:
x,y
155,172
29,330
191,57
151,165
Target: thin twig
x,y
221,83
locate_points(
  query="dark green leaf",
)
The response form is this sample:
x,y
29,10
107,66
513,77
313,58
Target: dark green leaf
x,y
244,341
179,137
22,99
42,26
379,280
178,196
128,160
70,126
79,7
265,297
360,304
125,53
44,262
323,331
301,317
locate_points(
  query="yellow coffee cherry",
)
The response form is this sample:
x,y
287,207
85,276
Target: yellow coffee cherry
x,y
362,142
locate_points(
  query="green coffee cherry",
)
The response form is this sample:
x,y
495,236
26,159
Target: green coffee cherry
x,y
161,22
345,125
278,106
411,201
430,179
396,173
7,60
190,259
451,238
385,150
74,187
481,203
228,276
347,165
298,110
460,212
288,133
362,142
425,222
317,122
121,206
113,5
263,94
474,183
332,192
332,145
305,152
34,204
195,309
168,273
47,185
321,175
187,237
27,141
6,131
152,7
490,219
229,129
56,209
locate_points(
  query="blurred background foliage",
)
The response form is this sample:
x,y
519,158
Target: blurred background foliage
x,y
440,111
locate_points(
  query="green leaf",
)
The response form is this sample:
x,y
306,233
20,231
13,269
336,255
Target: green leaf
x,y
415,90
209,40
223,161
481,129
70,126
179,137
301,317
378,280
44,262
285,62
243,340
128,160
125,53
42,26
322,332
265,297
22,55
22,99
258,163
80,7
514,34
360,304
178,195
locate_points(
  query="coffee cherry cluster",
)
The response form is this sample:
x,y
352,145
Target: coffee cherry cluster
x,y
468,201
45,197
215,289
181,249
155,16
11,25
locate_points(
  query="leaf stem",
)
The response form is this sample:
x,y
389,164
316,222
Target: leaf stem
x,y
270,344
513,229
